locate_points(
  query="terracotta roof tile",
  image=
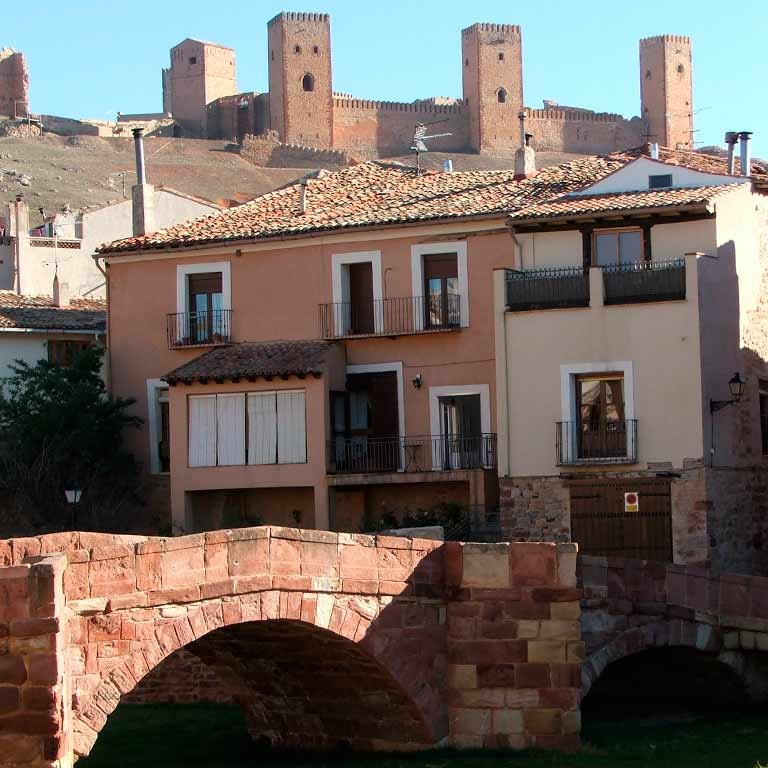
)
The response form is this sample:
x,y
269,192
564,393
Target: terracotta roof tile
x,y
579,205
254,359
40,313
379,193
374,194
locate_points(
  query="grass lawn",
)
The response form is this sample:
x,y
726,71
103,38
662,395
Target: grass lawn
x,y
201,735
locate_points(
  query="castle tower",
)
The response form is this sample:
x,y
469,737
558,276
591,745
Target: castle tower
x,y
300,80
199,73
14,84
493,85
666,90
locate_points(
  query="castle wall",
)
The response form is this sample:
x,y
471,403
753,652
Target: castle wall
x,y
14,84
371,128
583,132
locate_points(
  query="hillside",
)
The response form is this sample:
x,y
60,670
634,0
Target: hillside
x,y
52,171
80,171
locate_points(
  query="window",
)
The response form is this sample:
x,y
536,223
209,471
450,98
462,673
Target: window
x,y
501,95
315,50
206,319
659,180
764,414
601,421
193,60
63,353
164,431
680,69
501,56
618,246
647,74
466,62
297,49
308,82
441,290
238,429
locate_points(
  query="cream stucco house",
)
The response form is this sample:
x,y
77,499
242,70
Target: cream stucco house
x,y
631,342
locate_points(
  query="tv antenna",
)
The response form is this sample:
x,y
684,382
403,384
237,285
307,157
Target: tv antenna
x,y
420,137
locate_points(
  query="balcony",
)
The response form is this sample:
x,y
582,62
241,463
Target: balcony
x,y
199,329
614,443
644,281
390,317
420,453
548,288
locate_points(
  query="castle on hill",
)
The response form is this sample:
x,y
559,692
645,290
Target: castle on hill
x,y
301,107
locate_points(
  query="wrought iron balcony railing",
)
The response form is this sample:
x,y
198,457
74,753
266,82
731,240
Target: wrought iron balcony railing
x,y
390,317
611,443
547,288
419,453
644,281
191,329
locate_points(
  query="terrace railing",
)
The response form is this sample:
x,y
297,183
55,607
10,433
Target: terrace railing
x,y
644,281
547,288
190,329
612,443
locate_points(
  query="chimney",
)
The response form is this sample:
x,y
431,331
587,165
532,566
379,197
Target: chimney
x,y
525,157
303,196
744,158
654,150
143,194
731,137
448,166
61,294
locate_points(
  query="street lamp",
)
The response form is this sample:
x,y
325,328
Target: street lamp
x,y
73,496
737,386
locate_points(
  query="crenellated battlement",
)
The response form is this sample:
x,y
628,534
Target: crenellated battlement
x,y
682,39
573,114
397,106
322,18
507,29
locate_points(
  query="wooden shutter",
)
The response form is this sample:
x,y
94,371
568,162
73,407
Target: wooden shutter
x,y
230,428
202,430
262,428
291,428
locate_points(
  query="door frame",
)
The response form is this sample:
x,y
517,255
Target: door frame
x,y
340,286
435,393
459,247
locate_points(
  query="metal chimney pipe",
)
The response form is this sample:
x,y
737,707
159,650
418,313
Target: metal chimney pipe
x,y
303,196
731,137
138,145
522,117
654,150
744,158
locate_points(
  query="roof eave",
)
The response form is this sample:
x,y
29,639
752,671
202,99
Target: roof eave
x,y
704,206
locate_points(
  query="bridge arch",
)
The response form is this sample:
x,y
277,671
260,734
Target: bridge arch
x,y
329,668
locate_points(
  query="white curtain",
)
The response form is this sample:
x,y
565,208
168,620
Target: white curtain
x,y
202,430
230,412
262,428
291,428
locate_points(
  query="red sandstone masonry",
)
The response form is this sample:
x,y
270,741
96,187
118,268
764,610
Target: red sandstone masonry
x,y
499,617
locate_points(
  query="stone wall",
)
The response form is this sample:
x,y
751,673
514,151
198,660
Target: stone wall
x,y
181,679
266,150
534,509
380,128
557,130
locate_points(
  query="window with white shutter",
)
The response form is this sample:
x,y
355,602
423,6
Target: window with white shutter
x,y
230,413
262,428
291,428
202,430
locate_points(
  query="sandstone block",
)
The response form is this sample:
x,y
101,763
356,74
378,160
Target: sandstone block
x,y
485,565
566,611
546,651
470,722
541,721
462,676
560,630
507,721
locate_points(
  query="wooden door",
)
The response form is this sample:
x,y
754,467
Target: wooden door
x,y
361,297
601,526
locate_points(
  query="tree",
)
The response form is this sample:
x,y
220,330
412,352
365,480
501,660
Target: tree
x,y
60,429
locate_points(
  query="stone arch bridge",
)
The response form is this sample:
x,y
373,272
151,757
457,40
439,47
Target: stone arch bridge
x,y
328,638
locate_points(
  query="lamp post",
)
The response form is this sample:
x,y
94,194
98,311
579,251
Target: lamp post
x,y
736,385
73,499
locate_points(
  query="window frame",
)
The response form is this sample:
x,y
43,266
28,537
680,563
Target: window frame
x,y
618,231
75,347
459,247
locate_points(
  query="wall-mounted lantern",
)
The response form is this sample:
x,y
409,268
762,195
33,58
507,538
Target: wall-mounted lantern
x,y
417,381
737,386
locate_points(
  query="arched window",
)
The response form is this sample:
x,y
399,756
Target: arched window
x,y
501,95
297,49
647,74
308,82
680,69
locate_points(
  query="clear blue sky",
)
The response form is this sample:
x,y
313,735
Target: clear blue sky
x,y
91,58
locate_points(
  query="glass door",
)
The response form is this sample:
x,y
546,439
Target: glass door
x,y
601,427
460,432
441,291
206,302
